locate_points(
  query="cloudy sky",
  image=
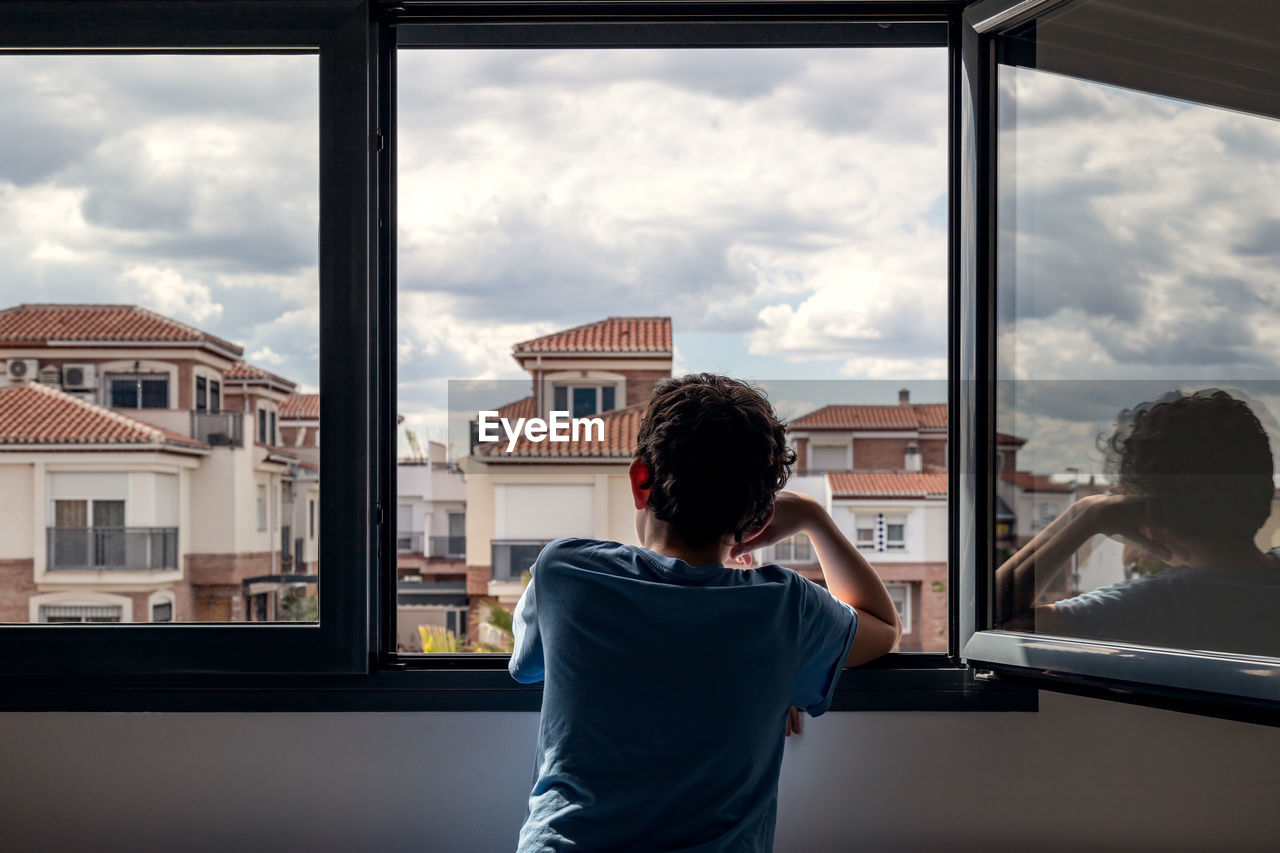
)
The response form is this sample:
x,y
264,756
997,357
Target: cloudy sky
x,y
1140,240
785,207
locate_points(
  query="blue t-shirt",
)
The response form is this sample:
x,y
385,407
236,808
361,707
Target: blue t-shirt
x,y
1223,609
667,688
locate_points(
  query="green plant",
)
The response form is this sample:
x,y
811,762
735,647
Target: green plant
x,y
297,606
436,640
500,617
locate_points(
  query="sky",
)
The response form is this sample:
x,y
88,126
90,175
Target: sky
x,y
787,208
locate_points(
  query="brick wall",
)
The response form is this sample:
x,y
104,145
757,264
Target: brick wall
x,y
640,384
928,603
880,454
17,585
226,569
933,451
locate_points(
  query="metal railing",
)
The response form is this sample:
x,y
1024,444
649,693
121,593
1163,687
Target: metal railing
x,y
452,547
221,429
112,548
511,558
408,541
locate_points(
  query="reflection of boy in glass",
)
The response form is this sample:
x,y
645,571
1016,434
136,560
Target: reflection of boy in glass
x,y
1195,483
670,677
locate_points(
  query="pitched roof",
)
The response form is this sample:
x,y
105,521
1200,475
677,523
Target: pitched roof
x,y
1027,481
252,374
31,413
621,426
615,334
303,407
894,416
42,323
849,484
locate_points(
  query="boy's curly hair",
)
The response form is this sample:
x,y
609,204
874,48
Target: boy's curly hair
x,y
1204,458
717,456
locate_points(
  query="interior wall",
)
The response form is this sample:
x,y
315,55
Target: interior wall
x,y
1080,774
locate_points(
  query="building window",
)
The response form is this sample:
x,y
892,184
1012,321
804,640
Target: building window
x,y
70,613
202,394
271,429
311,518
162,611
895,535
215,396
138,390
587,400
262,507
901,595
866,534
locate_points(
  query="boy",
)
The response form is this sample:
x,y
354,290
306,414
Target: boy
x,y
669,676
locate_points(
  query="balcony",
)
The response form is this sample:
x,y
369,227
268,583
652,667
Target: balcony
x,y
99,549
511,558
220,429
791,552
409,542
449,547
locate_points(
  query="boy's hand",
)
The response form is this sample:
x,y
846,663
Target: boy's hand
x,y
794,716
792,513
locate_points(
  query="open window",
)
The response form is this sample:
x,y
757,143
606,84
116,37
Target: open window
x,y
1124,267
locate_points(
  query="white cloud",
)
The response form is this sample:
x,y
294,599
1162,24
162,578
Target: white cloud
x,y
163,289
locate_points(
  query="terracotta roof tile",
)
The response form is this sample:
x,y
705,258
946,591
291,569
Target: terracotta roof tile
x,y
621,426
908,416
847,484
38,414
87,323
245,372
1029,482
304,407
615,334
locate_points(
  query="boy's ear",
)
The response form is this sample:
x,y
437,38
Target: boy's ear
x,y
640,475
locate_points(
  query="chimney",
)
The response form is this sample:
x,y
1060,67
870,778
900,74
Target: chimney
x,y
904,397
913,461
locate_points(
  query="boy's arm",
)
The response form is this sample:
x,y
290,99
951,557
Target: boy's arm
x,y
849,576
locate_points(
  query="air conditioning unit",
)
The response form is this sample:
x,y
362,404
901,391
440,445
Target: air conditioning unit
x,y
79,376
51,375
22,368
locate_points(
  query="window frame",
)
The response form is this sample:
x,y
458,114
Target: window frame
x,y
1234,686
348,662
221,656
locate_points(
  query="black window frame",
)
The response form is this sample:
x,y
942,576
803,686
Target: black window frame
x,y
1235,686
220,658
347,661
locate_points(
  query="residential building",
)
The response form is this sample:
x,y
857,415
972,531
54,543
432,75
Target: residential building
x,y
517,501
143,477
431,546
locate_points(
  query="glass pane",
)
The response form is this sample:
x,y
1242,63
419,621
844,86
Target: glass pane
x,y
159,235
577,226
1136,291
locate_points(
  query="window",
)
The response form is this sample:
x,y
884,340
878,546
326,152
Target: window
x,y
895,535
631,202
262,426
63,613
271,429
311,519
866,534
215,396
162,612
901,595
138,391
1144,456
587,399
202,394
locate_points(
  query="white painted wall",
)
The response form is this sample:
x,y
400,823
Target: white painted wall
x,y
1078,775
17,512
543,511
